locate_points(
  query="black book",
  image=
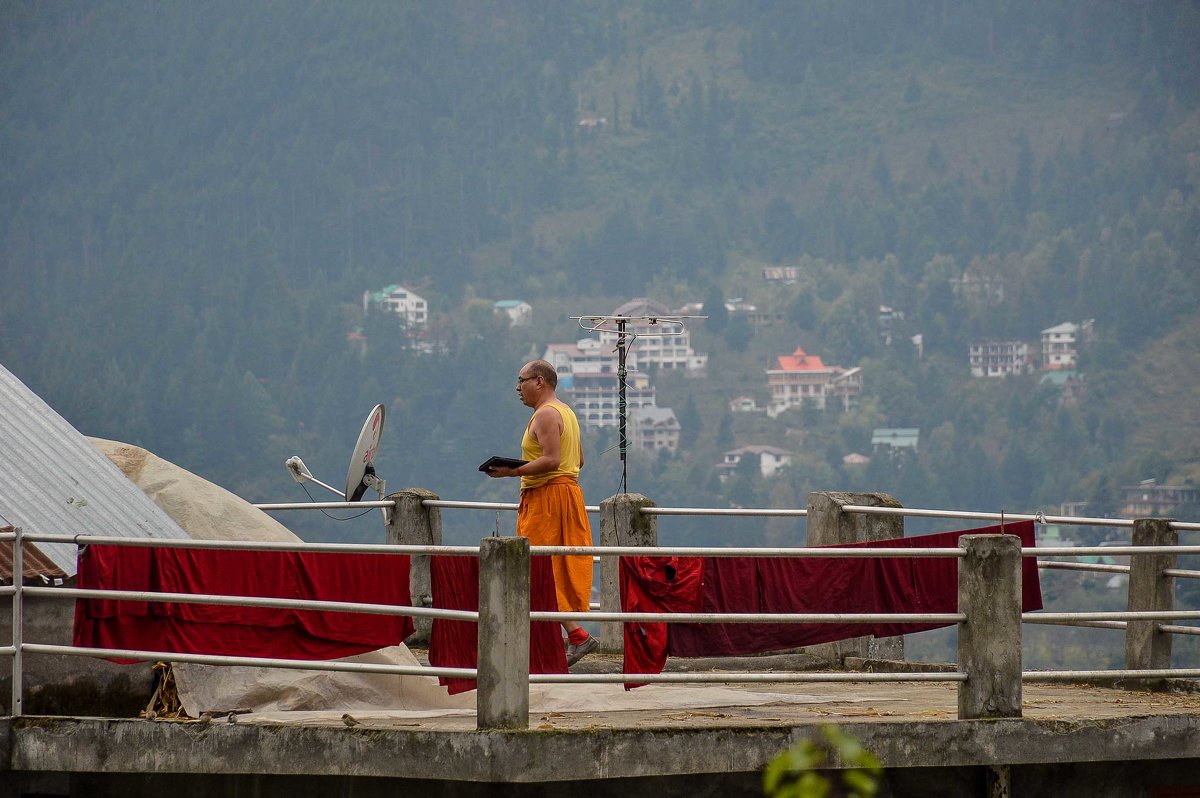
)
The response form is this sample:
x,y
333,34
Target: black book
x,y
501,462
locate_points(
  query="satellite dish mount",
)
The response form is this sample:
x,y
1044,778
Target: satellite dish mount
x,y
361,474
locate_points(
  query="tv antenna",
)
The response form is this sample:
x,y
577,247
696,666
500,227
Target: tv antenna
x,y
361,473
620,325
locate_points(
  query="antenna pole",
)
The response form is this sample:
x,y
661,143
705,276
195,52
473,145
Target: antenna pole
x,y
622,346
671,325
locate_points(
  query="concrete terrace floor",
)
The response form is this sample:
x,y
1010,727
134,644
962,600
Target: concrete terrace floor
x,y
910,727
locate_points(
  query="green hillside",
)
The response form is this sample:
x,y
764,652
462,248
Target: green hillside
x,y
195,198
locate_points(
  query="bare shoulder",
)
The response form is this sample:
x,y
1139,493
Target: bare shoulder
x,y
548,413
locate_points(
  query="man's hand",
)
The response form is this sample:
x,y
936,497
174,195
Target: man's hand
x,y
502,471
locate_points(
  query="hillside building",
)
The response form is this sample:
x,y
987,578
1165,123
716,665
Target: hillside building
x,y
1060,344
519,312
801,378
771,459
894,440
653,428
409,306
744,404
663,345
999,358
1148,499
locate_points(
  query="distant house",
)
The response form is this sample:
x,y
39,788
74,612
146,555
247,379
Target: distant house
x,y
406,304
1060,344
667,346
1148,499
586,356
982,289
999,358
744,404
801,378
653,428
781,274
771,459
888,317
893,440
519,312
856,459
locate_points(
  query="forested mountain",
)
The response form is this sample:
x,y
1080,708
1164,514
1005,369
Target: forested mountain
x,y
196,195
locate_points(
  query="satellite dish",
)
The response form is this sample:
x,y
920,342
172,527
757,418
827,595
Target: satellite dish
x,y
362,461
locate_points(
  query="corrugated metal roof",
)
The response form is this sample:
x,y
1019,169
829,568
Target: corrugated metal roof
x,y
53,481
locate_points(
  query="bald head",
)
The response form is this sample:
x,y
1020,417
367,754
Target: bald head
x,y
543,369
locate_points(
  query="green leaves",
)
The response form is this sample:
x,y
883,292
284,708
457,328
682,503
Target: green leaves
x,y
835,765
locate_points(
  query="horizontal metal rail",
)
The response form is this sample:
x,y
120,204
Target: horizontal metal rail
x,y
726,511
252,601
254,662
608,551
1183,573
255,545
1088,551
1038,620
1051,617
271,507
1179,630
763,617
469,505
1093,676
740,677
1083,566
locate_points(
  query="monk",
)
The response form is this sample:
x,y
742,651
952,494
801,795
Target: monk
x,y
551,511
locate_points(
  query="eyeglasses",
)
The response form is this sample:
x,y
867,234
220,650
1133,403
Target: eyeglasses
x,y
521,380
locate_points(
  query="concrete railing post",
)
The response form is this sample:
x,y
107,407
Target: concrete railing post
x,y
622,523
989,640
829,525
503,681
1150,591
414,524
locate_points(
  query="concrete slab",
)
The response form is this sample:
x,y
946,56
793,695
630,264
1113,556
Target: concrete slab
x,y
906,726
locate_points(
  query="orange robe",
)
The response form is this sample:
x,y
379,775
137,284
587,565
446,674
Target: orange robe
x,y
554,515
551,513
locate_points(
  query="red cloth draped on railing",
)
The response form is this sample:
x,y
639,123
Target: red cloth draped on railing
x,y
241,631
794,585
454,644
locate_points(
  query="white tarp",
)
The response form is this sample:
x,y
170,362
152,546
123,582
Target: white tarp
x,y
204,510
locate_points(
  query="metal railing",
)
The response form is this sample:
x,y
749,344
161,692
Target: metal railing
x,y
1150,618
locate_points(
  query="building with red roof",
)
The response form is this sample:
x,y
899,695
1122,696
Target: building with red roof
x,y
801,378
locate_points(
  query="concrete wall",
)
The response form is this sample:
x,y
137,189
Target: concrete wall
x,y
58,685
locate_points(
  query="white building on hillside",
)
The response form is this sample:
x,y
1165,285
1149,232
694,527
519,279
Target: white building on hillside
x,y
409,306
586,356
596,398
999,358
519,312
771,459
1060,345
654,344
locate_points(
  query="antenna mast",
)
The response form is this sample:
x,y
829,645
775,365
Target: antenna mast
x,y
672,325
